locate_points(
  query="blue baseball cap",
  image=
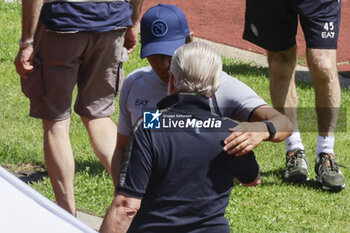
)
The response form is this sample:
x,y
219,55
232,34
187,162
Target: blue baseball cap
x,y
164,28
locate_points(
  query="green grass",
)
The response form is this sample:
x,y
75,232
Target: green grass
x,y
274,206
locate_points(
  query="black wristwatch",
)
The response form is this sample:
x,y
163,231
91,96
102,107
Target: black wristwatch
x,y
271,129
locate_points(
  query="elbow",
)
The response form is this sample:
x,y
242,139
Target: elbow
x,y
128,206
256,182
129,212
120,214
285,129
289,128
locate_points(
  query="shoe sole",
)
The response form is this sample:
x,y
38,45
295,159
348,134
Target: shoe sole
x,y
324,187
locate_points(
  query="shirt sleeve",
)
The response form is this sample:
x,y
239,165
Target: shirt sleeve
x,y
136,165
124,122
236,100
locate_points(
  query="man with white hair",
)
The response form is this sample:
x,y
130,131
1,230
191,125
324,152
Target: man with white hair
x,y
164,28
178,178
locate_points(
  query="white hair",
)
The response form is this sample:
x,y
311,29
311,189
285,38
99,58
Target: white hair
x,y
196,68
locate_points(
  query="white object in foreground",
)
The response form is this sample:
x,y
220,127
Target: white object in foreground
x,y
22,209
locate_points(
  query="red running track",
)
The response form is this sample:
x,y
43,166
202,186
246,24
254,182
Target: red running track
x,y
223,22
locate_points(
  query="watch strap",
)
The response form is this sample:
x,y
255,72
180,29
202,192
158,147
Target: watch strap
x,y
25,44
271,129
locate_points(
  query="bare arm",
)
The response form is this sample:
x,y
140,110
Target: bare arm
x,y
122,143
30,15
120,214
248,135
131,33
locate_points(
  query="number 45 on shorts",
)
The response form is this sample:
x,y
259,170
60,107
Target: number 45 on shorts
x,y
329,33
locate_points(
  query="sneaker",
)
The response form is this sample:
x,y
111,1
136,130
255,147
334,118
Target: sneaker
x,y
296,166
328,172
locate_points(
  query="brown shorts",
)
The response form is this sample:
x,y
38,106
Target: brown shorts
x,y
93,61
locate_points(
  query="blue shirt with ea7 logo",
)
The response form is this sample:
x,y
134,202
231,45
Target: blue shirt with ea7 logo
x,y
88,16
183,177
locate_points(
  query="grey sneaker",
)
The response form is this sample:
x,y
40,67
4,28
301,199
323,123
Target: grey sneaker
x,y
328,172
296,166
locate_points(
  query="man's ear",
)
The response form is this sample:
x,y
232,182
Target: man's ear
x,y
190,38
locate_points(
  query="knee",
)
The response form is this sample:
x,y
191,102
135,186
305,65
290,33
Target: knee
x,y
55,126
322,64
322,68
285,58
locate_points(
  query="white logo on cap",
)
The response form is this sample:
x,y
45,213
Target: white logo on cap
x,y
254,29
159,28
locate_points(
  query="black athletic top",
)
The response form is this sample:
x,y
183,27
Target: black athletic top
x,y
180,170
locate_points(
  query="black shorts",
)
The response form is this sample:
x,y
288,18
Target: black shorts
x,y
272,24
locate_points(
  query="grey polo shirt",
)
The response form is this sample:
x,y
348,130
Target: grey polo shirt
x,y
142,89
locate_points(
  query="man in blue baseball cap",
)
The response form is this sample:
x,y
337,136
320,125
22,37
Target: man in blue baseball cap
x,y
179,179
164,28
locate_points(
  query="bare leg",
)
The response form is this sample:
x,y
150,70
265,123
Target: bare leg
x,y
103,138
323,70
284,98
322,64
60,162
282,82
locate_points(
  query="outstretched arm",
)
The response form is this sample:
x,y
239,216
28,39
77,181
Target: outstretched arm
x,y
248,135
30,15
